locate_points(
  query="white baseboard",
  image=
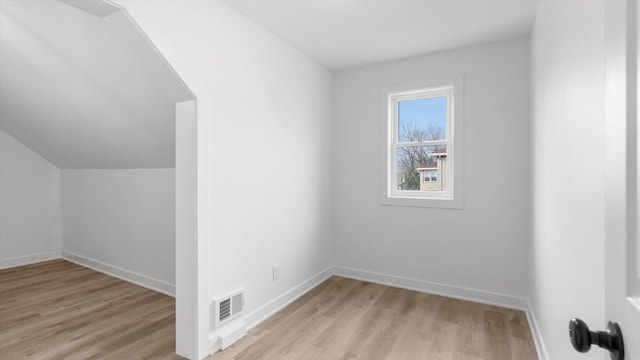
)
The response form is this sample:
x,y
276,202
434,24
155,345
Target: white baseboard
x,y
536,333
479,296
29,259
120,273
277,304
262,313
225,338
485,297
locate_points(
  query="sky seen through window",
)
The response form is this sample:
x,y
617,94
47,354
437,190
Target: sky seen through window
x,y
428,115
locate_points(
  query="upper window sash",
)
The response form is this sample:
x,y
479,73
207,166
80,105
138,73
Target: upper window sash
x,y
420,94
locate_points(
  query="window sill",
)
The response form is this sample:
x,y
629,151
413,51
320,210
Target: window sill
x,y
422,202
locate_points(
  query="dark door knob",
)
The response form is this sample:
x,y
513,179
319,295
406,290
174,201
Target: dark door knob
x,y
610,339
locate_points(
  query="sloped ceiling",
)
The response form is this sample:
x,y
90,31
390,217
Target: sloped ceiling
x,y
82,88
343,34
74,89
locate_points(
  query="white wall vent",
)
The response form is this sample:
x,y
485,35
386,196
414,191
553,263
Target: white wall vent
x,y
227,307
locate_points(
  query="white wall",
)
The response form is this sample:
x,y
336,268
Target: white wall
x,y
123,222
483,246
29,205
264,132
567,263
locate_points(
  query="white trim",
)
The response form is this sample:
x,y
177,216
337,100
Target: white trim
x,y
393,142
231,335
479,296
456,292
191,193
269,309
192,326
451,291
277,304
635,302
29,259
452,198
120,273
536,333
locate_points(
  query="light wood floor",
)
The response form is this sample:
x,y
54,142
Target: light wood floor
x,y
348,319
59,310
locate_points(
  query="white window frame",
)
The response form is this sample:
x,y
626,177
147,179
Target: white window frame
x,y
452,196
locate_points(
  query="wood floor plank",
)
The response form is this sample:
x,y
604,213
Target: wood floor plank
x,y
470,335
301,346
386,329
521,337
449,311
349,314
413,342
497,338
60,310
347,319
268,345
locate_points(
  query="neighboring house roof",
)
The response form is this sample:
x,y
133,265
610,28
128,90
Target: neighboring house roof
x,y
442,152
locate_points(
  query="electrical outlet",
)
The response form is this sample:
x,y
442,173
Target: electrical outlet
x,y
276,272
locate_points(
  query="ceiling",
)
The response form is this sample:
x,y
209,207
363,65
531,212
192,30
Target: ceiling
x,y
341,34
83,88
79,91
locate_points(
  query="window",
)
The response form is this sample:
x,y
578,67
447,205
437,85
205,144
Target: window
x,y
421,144
430,175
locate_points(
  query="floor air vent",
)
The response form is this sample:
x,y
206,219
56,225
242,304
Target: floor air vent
x,y
225,310
228,307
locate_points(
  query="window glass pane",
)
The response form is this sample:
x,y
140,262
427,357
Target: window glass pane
x,y
421,168
430,175
422,120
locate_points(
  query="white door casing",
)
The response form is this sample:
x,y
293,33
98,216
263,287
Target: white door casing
x,y
622,300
